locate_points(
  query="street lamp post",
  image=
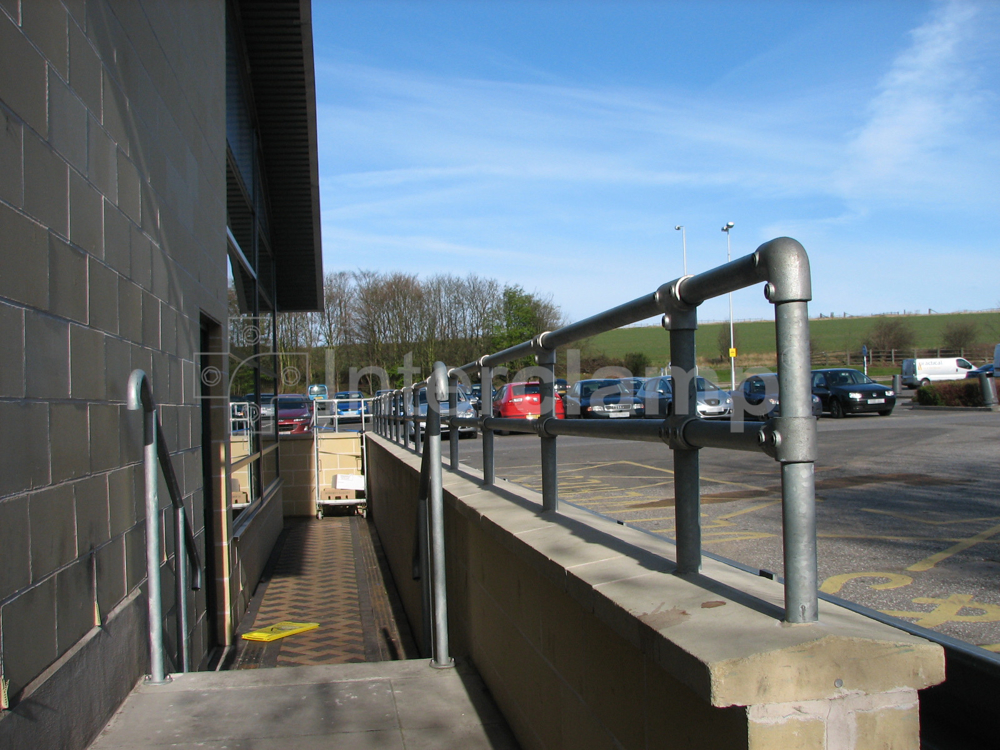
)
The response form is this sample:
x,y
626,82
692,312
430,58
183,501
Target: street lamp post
x,y
732,345
685,245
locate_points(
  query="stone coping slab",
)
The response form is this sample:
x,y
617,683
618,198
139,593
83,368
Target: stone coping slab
x,y
719,632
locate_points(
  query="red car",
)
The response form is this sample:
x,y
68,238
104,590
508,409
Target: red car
x,y
294,414
522,401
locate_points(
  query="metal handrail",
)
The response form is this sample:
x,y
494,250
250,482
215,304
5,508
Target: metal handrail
x,y
140,396
782,264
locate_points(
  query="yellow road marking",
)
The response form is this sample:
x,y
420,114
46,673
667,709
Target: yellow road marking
x,y
736,536
995,647
833,584
917,519
929,562
947,610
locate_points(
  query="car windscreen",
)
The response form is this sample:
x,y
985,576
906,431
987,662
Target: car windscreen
x,y
848,377
606,387
292,403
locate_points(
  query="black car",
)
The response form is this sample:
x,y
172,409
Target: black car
x,y
844,391
601,399
760,394
657,396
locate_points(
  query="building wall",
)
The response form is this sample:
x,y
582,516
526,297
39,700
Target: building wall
x,y
112,248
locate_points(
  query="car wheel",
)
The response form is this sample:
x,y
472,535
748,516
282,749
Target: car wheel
x,y
885,412
924,382
836,410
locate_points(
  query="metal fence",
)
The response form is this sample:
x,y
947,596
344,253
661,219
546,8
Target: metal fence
x,y
783,266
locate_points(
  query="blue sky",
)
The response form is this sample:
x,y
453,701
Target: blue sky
x,y
556,145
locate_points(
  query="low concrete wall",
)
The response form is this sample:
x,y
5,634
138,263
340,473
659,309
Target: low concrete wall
x,y
587,638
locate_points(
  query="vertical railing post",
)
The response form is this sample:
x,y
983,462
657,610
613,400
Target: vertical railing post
x,y
181,588
797,454
437,390
687,482
452,428
137,383
418,427
546,359
486,410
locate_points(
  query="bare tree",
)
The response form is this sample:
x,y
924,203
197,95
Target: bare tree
x,y
890,333
959,334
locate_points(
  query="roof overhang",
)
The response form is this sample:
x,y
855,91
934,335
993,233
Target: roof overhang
x,y
278,39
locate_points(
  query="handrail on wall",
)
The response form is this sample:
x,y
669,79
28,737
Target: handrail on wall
x,y
140,396
790,438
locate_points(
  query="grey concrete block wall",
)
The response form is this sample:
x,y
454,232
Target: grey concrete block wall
x,y
112,247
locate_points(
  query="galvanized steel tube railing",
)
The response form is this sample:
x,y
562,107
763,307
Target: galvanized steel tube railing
x,y
140,397
782,264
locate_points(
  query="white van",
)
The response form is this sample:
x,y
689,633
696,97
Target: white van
x,y
918,372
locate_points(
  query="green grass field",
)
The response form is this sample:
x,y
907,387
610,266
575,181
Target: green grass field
x,y
756,339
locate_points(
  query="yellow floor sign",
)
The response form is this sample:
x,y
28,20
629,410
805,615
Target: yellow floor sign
x,y
279,630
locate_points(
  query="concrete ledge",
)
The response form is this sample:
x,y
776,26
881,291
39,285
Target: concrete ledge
x,y
523,585
922,407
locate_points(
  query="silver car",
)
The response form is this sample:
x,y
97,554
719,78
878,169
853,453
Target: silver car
x,y
657,395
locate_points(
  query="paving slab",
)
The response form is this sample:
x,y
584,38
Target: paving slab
x,y
397,704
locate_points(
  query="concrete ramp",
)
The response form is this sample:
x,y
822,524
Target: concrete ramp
x,y
386,705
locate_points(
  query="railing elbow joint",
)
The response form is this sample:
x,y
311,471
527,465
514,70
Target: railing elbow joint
x,y
784,264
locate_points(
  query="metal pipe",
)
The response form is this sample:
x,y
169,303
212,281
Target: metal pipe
x,y
506,355
421,554
139,398
452,428
436,393
486,407
623,315
418,427
798,519
510,425
701,433
687,481
180,589
546,359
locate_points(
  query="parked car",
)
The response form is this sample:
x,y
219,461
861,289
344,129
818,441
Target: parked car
x,y
522,401
602,399
463,408
561,386
318,390
633,384
918,372
657,396
760,393
988,369
294,413
350,406
844,391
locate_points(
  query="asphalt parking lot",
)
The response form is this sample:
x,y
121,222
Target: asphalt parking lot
x,y
908,508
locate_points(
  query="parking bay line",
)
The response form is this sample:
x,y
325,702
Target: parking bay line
x,y
929,562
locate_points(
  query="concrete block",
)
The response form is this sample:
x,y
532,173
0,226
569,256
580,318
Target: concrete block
x,y
130,311
888,729
135,556
92,526
117,366
67,281
24,93
141,257
24,258
102,296
46,185
87,374
12,344
123,498
53,529
791,734
150,209
117,239
70,441
15,573
67,122
84,69
104,437
11,159
75,599
115,112
128,188
45,24
24,452
110,575
102,160
29,633
151,332
46,356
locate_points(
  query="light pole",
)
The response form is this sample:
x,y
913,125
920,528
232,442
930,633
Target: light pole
x,y
685,244
732,345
